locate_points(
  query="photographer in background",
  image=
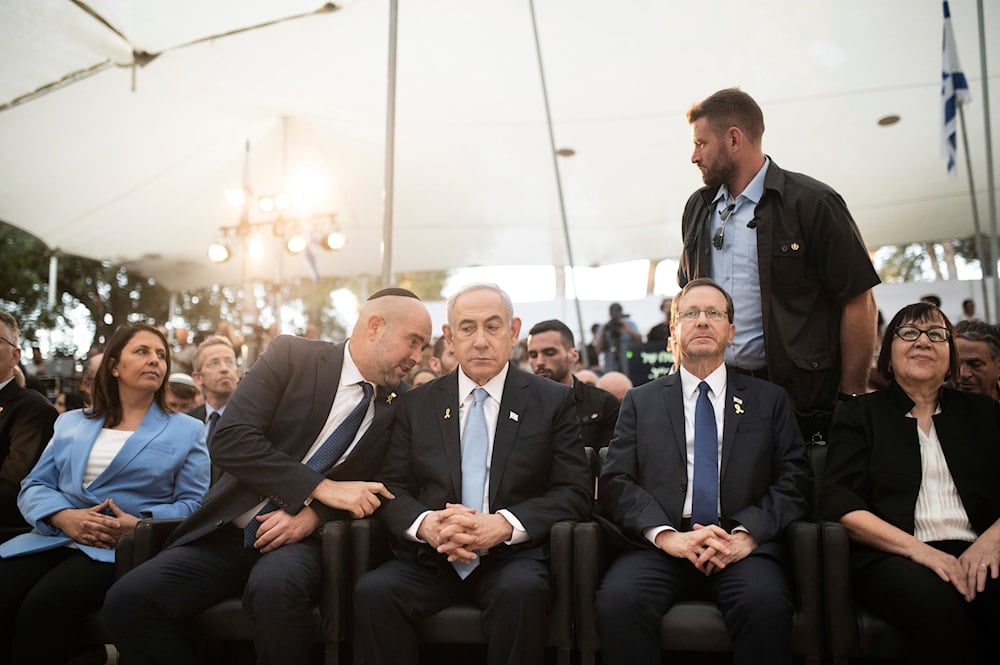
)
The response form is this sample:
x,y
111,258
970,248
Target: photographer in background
x,y
614,338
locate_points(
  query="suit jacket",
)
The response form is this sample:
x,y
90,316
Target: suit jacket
x,y
26,420
598,412
873,462
161,471
538,470
764,476
270,422
199,412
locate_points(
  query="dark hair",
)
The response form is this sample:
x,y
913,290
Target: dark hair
x,y
730,108
393,291
932,299
980,331
554,325
694,283
104,393
918,312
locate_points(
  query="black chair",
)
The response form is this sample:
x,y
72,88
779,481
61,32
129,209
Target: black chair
x,y
693,625
226,622
853,631
461,623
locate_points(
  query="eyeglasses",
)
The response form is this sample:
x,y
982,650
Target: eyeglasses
x,y
912,333
692,315
4,339
720,235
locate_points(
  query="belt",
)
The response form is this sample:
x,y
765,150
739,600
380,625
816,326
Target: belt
x,y
756,373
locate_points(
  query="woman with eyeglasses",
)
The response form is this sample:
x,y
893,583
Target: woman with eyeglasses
x,y
913,475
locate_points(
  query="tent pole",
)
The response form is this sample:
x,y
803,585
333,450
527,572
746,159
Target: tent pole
x,y
582,343
975,213
990,182
390,150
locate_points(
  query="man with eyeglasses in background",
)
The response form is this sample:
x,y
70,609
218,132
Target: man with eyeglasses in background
x,y
787,250
26,420
216,375
732,445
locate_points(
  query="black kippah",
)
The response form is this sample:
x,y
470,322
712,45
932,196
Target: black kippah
x,y
393,291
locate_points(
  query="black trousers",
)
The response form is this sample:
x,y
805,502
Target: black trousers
x,y
513,593
146,608
940,626
641,585
43,598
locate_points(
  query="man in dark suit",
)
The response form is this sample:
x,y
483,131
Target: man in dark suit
x,y
216,375
552,354
26,420
482,463
701,527
299,439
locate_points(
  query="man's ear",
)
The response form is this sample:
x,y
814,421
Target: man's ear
x,y
373,325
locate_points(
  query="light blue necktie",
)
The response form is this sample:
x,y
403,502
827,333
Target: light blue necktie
x,y
324,457
705,499
475,442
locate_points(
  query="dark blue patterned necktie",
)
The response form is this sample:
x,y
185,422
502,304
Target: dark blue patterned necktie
x,y
705,498
324,457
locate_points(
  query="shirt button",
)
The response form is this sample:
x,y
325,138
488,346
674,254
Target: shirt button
x,y
784,248
684,489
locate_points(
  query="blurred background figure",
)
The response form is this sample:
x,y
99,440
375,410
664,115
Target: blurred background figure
x,y
978,345
442,360
614,338
587,376
125,459
661,331
968,310
420,375
68,401
615,383
181,393
182,357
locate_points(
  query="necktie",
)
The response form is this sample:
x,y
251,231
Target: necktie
x,y
324,457
213,420
704,500
475,444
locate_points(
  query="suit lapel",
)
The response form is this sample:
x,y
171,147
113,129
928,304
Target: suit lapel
x,y
673,397
733,407
152,424
512,409
328,367
446,410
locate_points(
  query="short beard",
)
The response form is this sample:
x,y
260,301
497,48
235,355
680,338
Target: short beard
x,y
721,172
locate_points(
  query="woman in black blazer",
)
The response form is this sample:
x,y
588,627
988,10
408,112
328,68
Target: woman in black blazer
x,y
913,475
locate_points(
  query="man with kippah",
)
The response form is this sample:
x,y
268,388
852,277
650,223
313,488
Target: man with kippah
x,y
298,445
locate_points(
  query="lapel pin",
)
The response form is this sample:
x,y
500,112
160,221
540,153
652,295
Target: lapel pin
x,y
1,409
447,414
737,405
390,397
513,416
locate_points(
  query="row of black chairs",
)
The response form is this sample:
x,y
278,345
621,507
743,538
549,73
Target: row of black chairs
x,y
828,627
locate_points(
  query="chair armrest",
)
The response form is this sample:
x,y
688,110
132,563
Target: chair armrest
x,y
561,568
143,543
369,548
841,614
335,595
590,557
804,547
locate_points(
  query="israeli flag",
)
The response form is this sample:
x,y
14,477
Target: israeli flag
x,y
954,91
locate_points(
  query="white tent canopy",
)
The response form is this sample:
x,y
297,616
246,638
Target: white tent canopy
x,y
95,168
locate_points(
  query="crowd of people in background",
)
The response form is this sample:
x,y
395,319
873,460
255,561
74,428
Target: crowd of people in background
x,y
776,310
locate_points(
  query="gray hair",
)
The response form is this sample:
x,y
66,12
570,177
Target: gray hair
x,y
481,286
11,324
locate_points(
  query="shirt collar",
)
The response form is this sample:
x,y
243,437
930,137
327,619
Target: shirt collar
x,y
350,375
494,386
754,190
209,410
716,381
4,383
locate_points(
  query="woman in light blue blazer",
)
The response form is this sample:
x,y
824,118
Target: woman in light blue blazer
x,y
127,458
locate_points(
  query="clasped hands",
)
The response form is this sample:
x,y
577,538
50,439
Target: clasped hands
x,y
968,572
92,526
461,532
710,548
